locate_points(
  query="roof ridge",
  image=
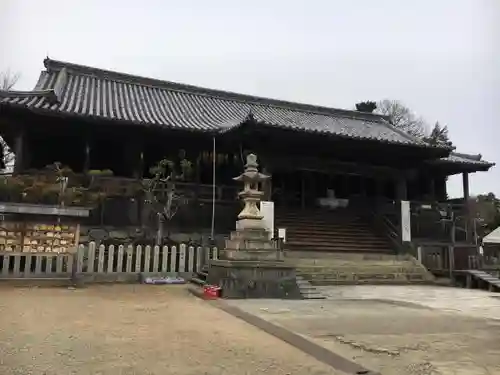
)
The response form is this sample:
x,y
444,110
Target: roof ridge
x,y
477,157
57,65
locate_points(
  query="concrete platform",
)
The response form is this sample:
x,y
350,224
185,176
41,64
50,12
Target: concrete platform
x,y
397,330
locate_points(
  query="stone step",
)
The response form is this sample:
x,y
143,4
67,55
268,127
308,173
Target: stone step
x,y
315,295
321,226
347,267
307,290
340,263
364,275
327,282
334,242
197,281
311,238
355,269
338,249
322,258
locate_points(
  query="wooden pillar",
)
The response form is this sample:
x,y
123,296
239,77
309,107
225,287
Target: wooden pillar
x,y
139,169
19,150
432,188
363,186
440,188
135,159
401,189
86,162
465,184
268,185
303,189
379,188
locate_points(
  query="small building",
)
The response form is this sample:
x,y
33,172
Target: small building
x,y
93,119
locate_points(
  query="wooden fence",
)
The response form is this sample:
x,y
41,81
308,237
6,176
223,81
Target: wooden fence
x,y
108,263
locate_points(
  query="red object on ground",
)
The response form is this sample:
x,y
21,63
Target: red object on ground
x,y
211,291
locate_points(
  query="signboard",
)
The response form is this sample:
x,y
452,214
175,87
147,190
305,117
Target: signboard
x,y
282,234
267,211
405,221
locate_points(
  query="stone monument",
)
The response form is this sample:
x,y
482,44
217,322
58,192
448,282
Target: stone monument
x,y
251,265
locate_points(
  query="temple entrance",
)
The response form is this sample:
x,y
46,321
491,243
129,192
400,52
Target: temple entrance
x,y
308,188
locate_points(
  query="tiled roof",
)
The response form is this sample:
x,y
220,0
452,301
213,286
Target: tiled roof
x,y
466,159
84,91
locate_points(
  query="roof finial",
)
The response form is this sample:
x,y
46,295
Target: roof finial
x,y
250,116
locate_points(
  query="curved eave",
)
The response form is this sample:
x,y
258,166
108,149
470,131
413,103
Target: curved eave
x,y
50,95
94,118
441,151
461,167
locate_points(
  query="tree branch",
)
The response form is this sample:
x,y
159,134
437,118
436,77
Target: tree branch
x,y
8,80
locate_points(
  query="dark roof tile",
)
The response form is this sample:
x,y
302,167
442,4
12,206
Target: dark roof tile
x,y
472,160
87,91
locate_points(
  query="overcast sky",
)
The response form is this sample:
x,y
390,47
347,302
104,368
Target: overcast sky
x,y
439,57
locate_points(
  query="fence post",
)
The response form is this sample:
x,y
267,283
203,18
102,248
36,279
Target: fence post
x,y
100,262
147,259
91,256
190,259
5,264
79,259
173,259
182,257
27,265
17,265
156,257
130,254
111,256
199,254
138,258
119,259
164,259
206,255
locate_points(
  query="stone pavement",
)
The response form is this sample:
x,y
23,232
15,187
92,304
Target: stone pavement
x,y
471,302
397,330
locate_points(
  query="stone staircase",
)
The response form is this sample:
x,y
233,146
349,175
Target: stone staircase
x,y
352,269
339,231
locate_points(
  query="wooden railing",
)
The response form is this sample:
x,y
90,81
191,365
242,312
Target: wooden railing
x,y
18,188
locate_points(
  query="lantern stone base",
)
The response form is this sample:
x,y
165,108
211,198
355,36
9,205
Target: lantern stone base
x,y
254,279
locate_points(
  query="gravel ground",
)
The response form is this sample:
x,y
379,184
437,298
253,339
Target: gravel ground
x,y
125,329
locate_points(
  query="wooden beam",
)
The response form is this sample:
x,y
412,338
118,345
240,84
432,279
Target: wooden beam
x,y
330,166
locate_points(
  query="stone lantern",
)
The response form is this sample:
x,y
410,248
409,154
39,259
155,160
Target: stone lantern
x,y
250,216
251,265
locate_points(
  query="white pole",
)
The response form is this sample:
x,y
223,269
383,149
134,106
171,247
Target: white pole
x,y
213,192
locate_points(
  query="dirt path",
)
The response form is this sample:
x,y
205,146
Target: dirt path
x,y
134,330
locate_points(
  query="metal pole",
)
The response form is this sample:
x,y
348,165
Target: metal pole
x,y
212,234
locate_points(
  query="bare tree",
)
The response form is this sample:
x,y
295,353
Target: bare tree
x,y
8,80
402,117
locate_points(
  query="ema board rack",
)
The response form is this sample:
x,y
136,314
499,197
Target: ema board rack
x,y
38,237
